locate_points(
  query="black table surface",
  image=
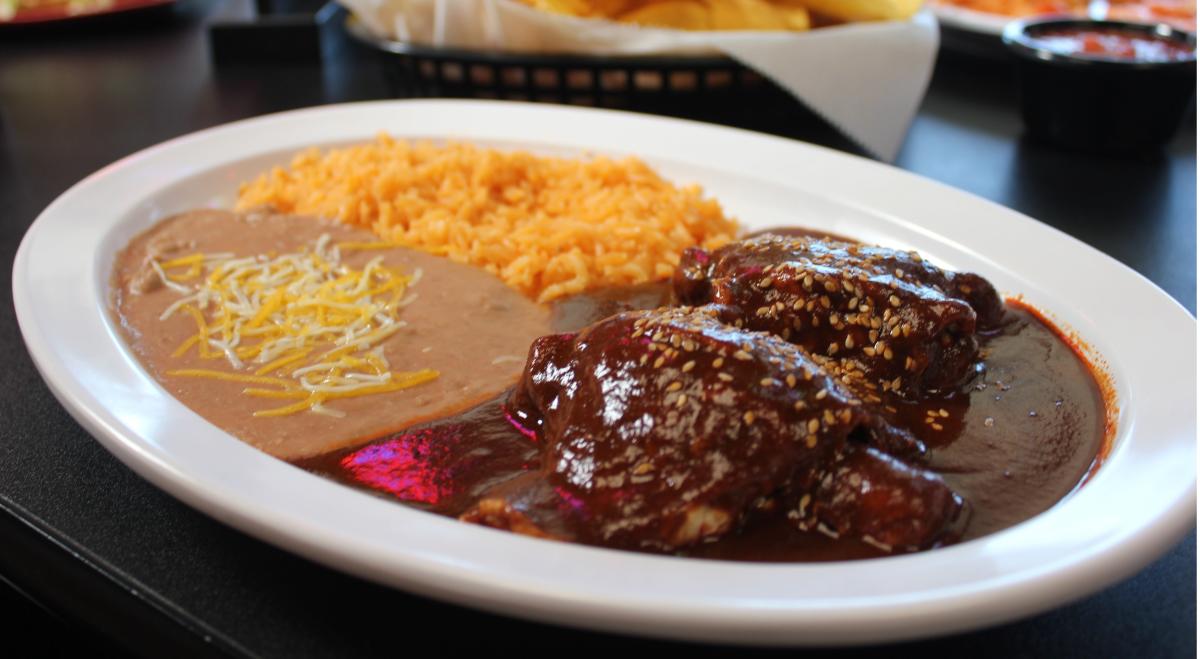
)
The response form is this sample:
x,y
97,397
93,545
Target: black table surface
x,y
93,557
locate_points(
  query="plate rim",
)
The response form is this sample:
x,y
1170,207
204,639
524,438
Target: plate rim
x,y
693,622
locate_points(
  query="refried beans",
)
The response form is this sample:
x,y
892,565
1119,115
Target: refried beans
x,y
463,322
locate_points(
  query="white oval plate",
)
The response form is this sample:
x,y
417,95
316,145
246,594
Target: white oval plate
x,y
1139,504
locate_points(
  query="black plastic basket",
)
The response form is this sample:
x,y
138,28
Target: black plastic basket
x,y
706,88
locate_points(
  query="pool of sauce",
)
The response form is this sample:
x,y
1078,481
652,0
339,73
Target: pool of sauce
x,y
1013,440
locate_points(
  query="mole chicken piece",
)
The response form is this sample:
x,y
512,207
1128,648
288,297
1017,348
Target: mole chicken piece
x,y
886,320
661,428
880,500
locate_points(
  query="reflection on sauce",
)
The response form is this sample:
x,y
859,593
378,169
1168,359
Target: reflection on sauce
x,y
1013,440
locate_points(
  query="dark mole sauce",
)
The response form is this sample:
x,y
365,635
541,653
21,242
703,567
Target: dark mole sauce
x,y
1013,440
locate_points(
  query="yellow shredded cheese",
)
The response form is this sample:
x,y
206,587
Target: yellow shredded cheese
x,y
303,323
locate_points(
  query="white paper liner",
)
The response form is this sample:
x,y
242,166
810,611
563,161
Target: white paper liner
x,y
867,79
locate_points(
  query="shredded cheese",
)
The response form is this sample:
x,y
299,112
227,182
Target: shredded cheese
x,y
303,324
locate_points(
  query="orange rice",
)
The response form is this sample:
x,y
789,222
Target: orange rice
x,y
548,227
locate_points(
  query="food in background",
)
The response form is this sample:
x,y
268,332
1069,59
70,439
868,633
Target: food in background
x,y
1021,7
1180,14
1113,44
732,14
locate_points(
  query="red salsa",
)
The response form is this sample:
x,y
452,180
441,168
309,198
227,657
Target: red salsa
x,y
1113,44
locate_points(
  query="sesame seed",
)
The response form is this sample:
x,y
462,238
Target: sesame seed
x,y
943,413
791,380
742,355
894,301
659,362
675,386
689,345
748,417
936,426
804,501
681,400
881,546
799,405
767,382
827,531
813,425
688,366
725,377
849,342
718,362
822,394
887,353
810,441
765,283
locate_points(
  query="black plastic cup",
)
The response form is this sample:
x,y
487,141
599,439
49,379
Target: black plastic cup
x,y
1102,104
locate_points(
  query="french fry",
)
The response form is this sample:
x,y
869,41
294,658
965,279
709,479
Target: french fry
x,y
730,14
756,15
584,8
860,10
677,14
